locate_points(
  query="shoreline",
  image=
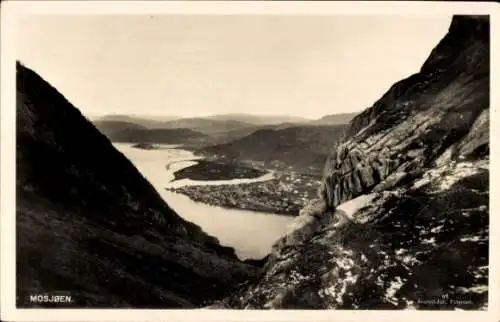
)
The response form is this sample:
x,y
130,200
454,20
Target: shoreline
x,y
280,195
239,206
285,193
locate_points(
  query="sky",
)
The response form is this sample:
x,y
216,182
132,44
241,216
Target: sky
x,y
194,65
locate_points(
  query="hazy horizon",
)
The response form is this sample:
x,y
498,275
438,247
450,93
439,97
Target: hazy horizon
x,y
135,114
138,115
193,66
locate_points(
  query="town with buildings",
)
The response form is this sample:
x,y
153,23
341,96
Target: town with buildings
x,y
286,194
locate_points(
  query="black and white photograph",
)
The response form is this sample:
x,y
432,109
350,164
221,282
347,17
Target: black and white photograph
x,y
251,162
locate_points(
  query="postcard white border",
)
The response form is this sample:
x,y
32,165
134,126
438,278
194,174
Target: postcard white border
x,y
10,10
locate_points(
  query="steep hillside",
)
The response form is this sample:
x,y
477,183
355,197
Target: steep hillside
x,y
303,147
90,226
403,221
334,119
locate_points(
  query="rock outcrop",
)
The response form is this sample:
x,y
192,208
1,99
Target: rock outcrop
x,y
90,226
402,219
419,118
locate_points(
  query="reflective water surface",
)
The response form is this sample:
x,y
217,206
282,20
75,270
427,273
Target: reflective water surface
x,y
250,233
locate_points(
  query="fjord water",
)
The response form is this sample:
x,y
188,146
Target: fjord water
x,y
250,233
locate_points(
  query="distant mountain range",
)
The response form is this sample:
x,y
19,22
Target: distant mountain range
x,y
118,131
149,122
258,119
113,127
334,119
222,122
207,126
202,131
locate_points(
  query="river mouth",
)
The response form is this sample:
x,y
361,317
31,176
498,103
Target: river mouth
x,y
251,233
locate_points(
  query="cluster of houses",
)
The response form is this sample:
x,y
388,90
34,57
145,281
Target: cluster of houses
x,y
286,194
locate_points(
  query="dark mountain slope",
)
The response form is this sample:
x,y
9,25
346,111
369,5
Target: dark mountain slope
x,y
403,221
303,147
89,224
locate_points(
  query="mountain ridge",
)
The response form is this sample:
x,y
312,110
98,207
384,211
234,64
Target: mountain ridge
x,y
90,225
146,121
141,135
305,147
258,119
402,221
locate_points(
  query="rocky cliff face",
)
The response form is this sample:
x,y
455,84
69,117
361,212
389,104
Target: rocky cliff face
x,y
402,219
90,226
419,118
